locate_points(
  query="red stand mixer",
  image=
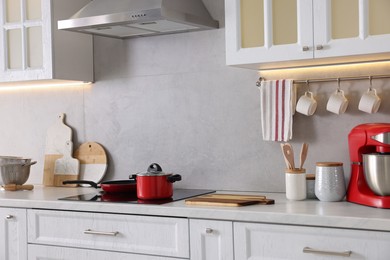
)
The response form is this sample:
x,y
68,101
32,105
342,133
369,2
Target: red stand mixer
x,y
369,140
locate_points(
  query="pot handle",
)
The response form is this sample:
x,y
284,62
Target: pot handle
x,y
29,164
174,177
154,167
93,184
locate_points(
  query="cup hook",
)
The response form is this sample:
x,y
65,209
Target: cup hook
x,y
307,86
338,85
370,78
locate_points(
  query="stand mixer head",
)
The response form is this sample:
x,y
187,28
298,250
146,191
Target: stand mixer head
x,y
369,148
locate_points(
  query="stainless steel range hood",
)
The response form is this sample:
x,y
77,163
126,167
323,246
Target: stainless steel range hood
x,y
130,18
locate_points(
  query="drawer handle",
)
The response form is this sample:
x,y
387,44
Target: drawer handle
x,y
323,252
9,217
103,233
209,230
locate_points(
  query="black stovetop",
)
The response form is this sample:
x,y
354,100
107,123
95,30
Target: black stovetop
x,y
178,194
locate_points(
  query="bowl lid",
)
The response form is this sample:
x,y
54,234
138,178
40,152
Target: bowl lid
x,y
329,164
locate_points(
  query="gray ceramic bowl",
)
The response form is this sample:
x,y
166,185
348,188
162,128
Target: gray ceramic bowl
x,y
377,173
15,173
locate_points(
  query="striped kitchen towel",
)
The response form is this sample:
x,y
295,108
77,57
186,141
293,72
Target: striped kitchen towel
x,y
277,99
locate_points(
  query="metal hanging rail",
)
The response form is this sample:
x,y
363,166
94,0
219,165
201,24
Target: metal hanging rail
x,y
307,81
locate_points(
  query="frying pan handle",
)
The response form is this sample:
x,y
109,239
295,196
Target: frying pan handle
x,y
93,184
154,167
174,177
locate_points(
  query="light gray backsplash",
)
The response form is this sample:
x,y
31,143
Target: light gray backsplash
x,y
171,99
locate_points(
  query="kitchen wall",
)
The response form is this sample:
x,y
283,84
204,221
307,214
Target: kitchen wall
x,y
171,99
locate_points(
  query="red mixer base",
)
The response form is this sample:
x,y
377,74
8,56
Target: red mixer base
x,y
358,192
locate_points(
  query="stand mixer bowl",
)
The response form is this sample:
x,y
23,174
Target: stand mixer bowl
x,y
377,173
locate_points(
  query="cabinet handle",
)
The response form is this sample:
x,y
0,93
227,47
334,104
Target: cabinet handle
x,y
103,233
209,230
305,48
323,252
9,217
319,47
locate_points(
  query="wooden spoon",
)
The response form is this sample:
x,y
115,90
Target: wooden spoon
x,y
303,155
288,166
289,154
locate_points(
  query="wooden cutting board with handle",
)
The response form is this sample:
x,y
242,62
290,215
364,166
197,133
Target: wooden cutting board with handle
x,y
229,200
66,168
93,161
57,136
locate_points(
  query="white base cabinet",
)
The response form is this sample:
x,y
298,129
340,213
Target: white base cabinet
x,y
267,241
211,240
13,234
159,236
39,252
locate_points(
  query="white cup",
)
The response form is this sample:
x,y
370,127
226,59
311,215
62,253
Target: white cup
x,y
370,102
307,105
337,102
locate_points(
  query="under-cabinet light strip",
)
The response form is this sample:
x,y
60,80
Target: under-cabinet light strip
x,y
307,81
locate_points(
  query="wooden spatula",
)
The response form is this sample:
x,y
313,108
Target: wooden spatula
x,y
303,155
289,155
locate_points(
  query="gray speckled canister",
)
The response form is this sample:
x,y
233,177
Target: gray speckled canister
x,y
330,182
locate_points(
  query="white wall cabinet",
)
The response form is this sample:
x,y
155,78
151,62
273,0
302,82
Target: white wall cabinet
x,y
267,241
211,240
33,49
290,33
13,234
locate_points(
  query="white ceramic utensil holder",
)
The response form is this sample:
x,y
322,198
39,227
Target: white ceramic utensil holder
x,y
296,184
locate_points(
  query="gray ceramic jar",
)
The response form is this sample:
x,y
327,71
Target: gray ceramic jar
x,y
330,182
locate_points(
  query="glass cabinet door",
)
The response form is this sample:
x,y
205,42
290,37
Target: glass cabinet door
x,y
268,30
351,27
23,24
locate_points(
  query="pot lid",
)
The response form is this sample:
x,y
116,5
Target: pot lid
x,y
153,170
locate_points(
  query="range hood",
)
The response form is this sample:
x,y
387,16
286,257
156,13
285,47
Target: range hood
x,y
130,18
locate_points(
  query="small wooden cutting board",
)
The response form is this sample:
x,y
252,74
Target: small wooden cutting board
x,y
230,200
93,161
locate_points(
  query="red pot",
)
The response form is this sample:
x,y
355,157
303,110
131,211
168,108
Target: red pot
x,y
155,184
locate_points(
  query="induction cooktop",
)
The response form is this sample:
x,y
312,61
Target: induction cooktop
x,y
178,194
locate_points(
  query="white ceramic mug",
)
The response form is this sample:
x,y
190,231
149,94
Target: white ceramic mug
x,y
370,101
337,102
307,105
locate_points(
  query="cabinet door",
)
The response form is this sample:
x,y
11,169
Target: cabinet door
x,y
13,234
267,241
211,240
25,40
266,31
351,27
38,252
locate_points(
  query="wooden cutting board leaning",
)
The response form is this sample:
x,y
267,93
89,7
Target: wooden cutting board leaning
x,y
229,200
93,161
57,136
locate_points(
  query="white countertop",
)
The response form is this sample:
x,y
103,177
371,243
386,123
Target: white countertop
x,y
308,212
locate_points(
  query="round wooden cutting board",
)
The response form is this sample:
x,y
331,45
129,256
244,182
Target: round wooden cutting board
x,y
93,161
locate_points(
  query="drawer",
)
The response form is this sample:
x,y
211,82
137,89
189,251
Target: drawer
x,y
265,241
39,252
113,232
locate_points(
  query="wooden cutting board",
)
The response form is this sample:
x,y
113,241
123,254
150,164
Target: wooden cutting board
x,y
230,200
57,136
66,168
93,161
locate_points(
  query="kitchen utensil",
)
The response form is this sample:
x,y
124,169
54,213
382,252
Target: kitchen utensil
x,y
117,186
330,182
15,187
295,184
303,155
66,168
229,200
289,155
93,161
57,136
155,184
15,173
288,166
337,102
377,173
370,101
367,139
